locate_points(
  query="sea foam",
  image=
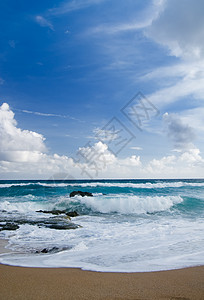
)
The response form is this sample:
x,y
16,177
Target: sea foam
x,y
130,204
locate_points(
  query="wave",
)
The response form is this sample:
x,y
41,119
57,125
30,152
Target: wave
x,y
147,185
23,207
130,204
8,185
123,204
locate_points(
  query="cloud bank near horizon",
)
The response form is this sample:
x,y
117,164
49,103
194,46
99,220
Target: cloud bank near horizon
x,y
24,155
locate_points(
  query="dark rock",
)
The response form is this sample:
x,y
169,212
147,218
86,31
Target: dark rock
x,y
62,226
80,193
58,212
52,250
44,250
72,214
60,223
54,212
9,226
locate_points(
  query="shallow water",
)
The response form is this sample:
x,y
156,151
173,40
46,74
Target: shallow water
x,y
127,226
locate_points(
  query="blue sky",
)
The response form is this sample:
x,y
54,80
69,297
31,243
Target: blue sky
x,y
68,67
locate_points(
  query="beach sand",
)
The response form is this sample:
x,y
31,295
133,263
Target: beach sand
x,y
40,283
18,283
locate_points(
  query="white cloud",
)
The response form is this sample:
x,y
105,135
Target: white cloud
x,y
140,21
177,81
23,155
69,6
180,27
23,152
106,135
181,134
194,117
136,148
49,115
15,139
44,22
118,28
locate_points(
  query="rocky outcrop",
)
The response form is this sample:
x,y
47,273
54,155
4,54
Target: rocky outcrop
x,y
59,212
52,250
80,193
9,226
52,223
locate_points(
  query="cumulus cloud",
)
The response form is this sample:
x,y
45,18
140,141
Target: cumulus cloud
x,y
180,27
23,152
15,139
181,134
188,164
23,155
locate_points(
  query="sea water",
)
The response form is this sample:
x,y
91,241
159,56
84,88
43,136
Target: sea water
x,y
127,226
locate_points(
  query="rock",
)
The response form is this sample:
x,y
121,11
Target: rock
x,y
52,250
54,212
63,226
72,214
80,193
58,212
60,223
9,226
44,251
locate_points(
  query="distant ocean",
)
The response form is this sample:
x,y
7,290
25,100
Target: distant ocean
x,y
127,226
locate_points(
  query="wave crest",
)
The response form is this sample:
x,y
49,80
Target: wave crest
x,y
130,204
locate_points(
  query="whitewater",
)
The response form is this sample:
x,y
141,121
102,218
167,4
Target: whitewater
x,y
126,226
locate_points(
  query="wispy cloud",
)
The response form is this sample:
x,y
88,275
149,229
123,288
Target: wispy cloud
x,y
44,22
141,21
68,6
49,115
136,148
118,28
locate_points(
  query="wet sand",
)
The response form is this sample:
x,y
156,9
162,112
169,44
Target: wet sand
x,y
40,283
18,283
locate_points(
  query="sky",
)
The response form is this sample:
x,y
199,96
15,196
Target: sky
x,y
101,89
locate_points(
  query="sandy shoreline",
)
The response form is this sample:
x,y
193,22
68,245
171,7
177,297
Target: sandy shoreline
x,y
36,283
18,283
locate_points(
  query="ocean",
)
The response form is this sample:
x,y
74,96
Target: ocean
x,y
126,226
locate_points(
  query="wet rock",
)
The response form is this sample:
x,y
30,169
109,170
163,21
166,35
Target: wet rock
x,y
72,214
44,251
52,250
9,226
62,226
58,212
53,212
59,223
80,193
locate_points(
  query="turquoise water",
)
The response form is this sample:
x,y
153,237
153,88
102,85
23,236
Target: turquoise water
x,y
127,226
